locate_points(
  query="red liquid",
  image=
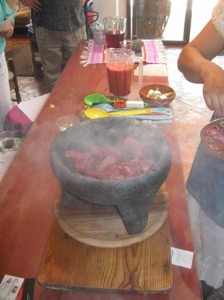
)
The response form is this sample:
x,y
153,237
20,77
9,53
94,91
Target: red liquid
x,y
120,79
114,38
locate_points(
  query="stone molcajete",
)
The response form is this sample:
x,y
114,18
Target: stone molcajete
x,y
132,196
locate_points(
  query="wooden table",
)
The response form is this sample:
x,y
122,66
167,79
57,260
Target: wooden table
x,y
29,189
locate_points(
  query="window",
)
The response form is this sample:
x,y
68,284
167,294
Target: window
x,y
166,19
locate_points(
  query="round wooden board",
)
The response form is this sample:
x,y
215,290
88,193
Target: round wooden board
x,y
102,226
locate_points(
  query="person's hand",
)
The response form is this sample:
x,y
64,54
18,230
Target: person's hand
x,y
213,88
34,4
7,33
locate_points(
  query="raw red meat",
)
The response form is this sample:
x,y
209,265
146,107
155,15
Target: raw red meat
x,y
128,159
217,134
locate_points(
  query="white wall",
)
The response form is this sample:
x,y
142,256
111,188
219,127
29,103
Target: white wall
x,y
107,8
201,16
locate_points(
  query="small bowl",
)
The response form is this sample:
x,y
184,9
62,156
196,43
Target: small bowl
x,y
66,122
163,89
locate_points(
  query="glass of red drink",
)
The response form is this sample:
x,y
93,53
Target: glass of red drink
x,y
120,69
115,30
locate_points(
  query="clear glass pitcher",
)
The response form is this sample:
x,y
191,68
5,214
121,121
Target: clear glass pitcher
x,y
115,28
120,70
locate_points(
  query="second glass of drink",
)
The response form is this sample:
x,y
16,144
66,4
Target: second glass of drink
x,y
115,30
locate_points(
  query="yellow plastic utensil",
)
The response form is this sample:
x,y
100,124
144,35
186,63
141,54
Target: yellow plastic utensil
x,y
94,113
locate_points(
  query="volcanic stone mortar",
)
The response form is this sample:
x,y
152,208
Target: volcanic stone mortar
x,y
132,196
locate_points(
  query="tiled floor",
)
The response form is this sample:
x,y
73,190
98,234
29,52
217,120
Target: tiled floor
x,y
189,108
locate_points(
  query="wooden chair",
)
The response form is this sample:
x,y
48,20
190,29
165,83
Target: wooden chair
x,y
13,80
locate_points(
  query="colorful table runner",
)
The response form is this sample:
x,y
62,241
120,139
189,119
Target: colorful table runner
x,y
152,52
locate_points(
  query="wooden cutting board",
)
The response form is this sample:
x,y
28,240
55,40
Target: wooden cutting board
x,y
143,267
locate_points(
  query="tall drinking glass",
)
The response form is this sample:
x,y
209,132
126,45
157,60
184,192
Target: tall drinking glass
x,y
115,30
120,69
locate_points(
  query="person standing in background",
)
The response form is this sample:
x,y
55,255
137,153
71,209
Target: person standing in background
x,y
205,182
6,11
59,25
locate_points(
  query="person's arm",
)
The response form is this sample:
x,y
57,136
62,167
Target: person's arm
x,y
12,3
196,65
195,57
34,4
8,32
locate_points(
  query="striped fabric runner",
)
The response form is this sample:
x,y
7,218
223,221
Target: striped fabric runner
x,y
152,52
